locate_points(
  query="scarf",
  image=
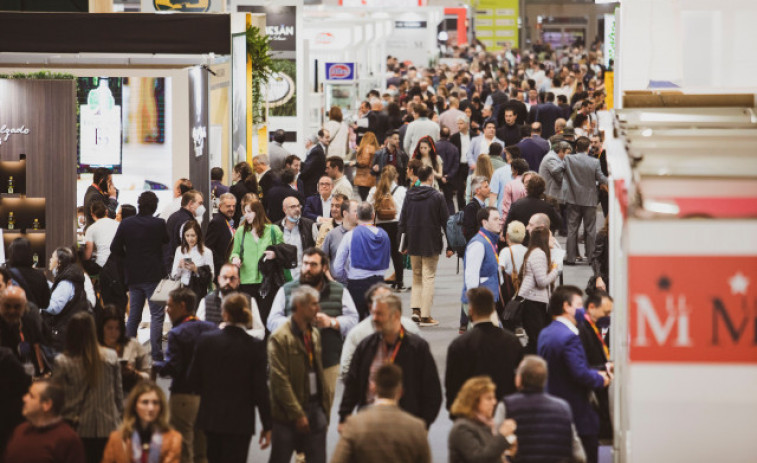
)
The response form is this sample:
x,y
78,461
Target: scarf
x,y
156,443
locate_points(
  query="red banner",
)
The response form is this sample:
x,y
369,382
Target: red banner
x,y
693,309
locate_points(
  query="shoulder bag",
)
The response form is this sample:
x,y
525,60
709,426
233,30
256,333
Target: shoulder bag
x,y
163,290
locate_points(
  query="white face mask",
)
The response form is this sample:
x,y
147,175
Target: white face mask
x,y
249,217
199,213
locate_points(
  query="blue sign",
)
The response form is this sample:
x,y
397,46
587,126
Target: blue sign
x,y
340,71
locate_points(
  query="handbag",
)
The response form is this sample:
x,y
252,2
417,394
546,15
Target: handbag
x,y
512,316
163,290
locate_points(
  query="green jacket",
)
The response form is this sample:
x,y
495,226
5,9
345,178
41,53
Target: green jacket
x,y
253,251
289,383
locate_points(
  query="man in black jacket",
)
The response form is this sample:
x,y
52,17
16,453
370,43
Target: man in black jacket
x,y
485,349
298,230
314,166
450,163
479,185
392,154
524,208
139,241
274,200
102,190
221,230
423,217
422,391
190,202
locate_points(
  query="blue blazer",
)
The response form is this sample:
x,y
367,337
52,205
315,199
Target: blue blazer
x,y
570,376
313,207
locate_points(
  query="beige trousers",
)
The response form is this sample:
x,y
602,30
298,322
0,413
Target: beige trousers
x,y
184,408
424,275
330,375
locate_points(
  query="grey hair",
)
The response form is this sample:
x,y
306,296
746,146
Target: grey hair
x,y
392,301
561,146
365,211
226,196
261,158
304,294
533,372
476,182
463,118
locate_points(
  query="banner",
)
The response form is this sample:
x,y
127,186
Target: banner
x,y
693,309
496,23
100,124
183,6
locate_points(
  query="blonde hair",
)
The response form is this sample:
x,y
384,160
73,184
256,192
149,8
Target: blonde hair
x,y
516,231
130,410
369,138
384,186
469,396
484,167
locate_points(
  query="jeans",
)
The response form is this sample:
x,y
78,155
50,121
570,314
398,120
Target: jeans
x,y
138,294
357,289
285,438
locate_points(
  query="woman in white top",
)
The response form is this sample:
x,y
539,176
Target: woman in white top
x,y
426,152
378,196
339,132
193,262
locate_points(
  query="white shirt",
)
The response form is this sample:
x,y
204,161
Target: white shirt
x,y
464,147
101,234
206,258
326,205
564,320
506,261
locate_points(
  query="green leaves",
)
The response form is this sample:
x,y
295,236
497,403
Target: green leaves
x,y
38,75
259,52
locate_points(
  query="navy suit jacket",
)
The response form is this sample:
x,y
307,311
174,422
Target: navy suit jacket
x,y
313,207
533,152
570,376
450,157
547,114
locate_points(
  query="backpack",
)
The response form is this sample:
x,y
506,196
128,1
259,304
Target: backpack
x,y
455,233
386,209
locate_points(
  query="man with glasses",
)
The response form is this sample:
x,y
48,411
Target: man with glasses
x,y
298,231
318,206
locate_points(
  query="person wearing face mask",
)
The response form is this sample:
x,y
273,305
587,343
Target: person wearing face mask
x,y
191,206
228,283
297,230
253,236
145,434
193,261
103,190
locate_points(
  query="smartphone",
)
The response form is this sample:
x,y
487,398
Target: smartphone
x,y
187,260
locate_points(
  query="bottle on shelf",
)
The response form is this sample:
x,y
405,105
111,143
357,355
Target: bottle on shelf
x,y
10,185
35,224
35,259
11,221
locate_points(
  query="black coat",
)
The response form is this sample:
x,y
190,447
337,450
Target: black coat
x,y
524,208
510,134
450,158
274,201
547,114
485,349
14,382
229,371
239,190
470,224
424,215
217,238
313,169
139,240
422,391
521,111
93,194
174,226
34,283
305,226
597,359
266,182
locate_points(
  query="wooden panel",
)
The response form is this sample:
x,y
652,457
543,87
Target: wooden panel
x,y
677,100
47,108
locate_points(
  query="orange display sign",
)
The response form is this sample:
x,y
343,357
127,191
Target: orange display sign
x,y
693,309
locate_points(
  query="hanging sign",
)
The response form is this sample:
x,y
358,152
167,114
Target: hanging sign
x,y
343,72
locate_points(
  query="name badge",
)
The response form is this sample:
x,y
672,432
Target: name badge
x,y
313,383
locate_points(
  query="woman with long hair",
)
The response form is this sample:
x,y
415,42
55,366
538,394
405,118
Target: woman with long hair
x,y
91,379
474,437
21,263
245,182
364,179
252,238
133,357
145,434
483,168
193,261
339,132
426,152
386,194
68,295
536,276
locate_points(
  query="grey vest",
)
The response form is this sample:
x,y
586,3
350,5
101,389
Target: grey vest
x,y
213,306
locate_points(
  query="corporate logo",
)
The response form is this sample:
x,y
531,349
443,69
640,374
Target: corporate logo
x,y
187,6
324,38
693,309
6,132
339,71
279,33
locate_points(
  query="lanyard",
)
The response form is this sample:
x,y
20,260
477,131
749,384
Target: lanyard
x,y
490,244
390,358
190,318
307,338
601,339
231,229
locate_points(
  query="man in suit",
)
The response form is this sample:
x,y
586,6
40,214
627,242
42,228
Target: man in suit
x,y
480,144
221,230
277,154
191,202
298,231
533,147
524,208
546,113
265,175
462,141
384,432
570,376
485,349
102,190
479,185
139,241
510,131
229,372
579,190
592,325
318,206
274,201
551,170
315,163
422,391
450,163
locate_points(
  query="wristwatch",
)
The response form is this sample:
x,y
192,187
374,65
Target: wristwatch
x,y
511,439
333,323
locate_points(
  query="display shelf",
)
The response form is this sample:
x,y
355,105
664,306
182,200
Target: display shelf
x,y
37,239
13,177
25,211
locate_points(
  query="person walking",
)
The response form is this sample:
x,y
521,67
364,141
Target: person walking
x,y
423,217
384,432
145,434
101,190
300,404
364,159
425,151
335,170
276,151
191,204
245,182
221,230
209,308
318,207
139,243
314,165
462,141
193,261
391,154
99,236
480,189
450,159
273,202
340,133
421,127
387,199
229,372
333,239
297,231
91,381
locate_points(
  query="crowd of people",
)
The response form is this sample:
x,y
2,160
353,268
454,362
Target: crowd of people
x,y
284,292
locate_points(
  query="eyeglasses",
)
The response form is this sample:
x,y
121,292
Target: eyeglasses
x,y
296,206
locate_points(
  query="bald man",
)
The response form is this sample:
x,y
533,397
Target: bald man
x,y
299,231
21,328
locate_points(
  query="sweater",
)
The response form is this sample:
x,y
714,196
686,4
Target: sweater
x,y
537,277
544,426
56,442
249,273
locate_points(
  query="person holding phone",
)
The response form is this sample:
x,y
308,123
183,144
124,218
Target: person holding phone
x,y
193,261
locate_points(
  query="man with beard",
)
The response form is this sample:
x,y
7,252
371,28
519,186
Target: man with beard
x,y
337,313
228,282
221,230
